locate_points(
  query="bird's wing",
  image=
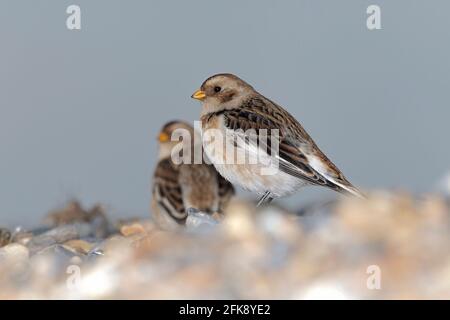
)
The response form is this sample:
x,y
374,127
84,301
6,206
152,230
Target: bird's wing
x,y
167,191
324,171
200,187
298,155
225,190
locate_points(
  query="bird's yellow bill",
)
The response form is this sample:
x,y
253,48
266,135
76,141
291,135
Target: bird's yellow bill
x,y
163,137
199,95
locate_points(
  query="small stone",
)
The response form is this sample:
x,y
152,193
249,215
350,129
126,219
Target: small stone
x,y
14,255
279,224
59,235
75,260
129,230
435,210
80,246
240,220
14,266
109,246
124,222
196,219
218,216
55,258
5,237
74,213
21,236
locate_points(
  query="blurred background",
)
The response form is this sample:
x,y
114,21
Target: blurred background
x,y
80,110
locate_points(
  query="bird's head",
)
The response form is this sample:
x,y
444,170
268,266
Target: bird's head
x,y
222,91
169,136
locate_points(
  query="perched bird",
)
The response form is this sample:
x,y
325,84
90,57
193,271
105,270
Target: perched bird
x,y
180,187
232,106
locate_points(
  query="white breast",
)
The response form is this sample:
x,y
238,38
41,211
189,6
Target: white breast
x,y
242,163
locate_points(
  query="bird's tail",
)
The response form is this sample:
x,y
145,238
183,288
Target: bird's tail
x,y
349,189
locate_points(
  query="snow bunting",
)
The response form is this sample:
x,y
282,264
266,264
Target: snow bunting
x,y
180,187
232,107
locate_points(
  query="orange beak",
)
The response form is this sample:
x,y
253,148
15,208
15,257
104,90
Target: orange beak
x,y
163,137
199,95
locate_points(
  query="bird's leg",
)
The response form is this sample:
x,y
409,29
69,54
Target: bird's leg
x,y
265,199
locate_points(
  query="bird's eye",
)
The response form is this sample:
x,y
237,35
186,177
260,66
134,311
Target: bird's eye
x,y
217,89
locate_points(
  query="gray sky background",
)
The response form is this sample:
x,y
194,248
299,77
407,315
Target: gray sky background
x,y
80,110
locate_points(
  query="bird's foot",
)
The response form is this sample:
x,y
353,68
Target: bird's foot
x,y
265,199
197,218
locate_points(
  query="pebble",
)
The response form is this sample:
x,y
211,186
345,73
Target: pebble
x,y
110,246
59,235
80,246
14,249
53,261
249,253
197,219
14,254
5,237
58,251
22,236
75,213
240,220
133,229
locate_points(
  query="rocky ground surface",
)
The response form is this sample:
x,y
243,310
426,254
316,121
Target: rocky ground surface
x,y
389,246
